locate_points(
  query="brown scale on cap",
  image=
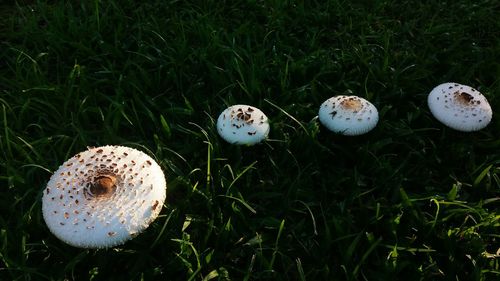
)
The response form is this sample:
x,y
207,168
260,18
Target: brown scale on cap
x,y
464,98
155,205
352,104
244,116
103,185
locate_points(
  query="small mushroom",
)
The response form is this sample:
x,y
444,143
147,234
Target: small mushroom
x,y
243,124
103,196
459,107
348,115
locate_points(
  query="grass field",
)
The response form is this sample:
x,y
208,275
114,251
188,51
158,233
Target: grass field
x,y
411,200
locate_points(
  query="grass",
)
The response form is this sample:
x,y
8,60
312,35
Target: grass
x,y
411,199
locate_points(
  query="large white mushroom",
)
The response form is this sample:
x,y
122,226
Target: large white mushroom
x,y
459,107
243,124
348,115
103,196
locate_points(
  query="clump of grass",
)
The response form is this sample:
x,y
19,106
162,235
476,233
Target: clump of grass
x,y
411,199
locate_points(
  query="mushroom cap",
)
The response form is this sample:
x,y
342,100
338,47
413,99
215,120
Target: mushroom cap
x,y
459,107
348,115
103,196
243,124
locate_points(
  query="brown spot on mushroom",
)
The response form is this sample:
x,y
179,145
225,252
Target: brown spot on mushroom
x,y
111,233
99,151
103,185
463,98
48,190
352,103
66,215
155,205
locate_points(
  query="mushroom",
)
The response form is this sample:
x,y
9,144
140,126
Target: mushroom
x,y
459,107
243,124
348,115
103,196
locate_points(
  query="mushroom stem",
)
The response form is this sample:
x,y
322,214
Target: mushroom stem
x,y
103,185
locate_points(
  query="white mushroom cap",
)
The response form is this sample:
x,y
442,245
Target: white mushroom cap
x,y
103,196
348,115
459,107
243,124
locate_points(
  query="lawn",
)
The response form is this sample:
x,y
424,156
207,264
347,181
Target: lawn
x,y
410,200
